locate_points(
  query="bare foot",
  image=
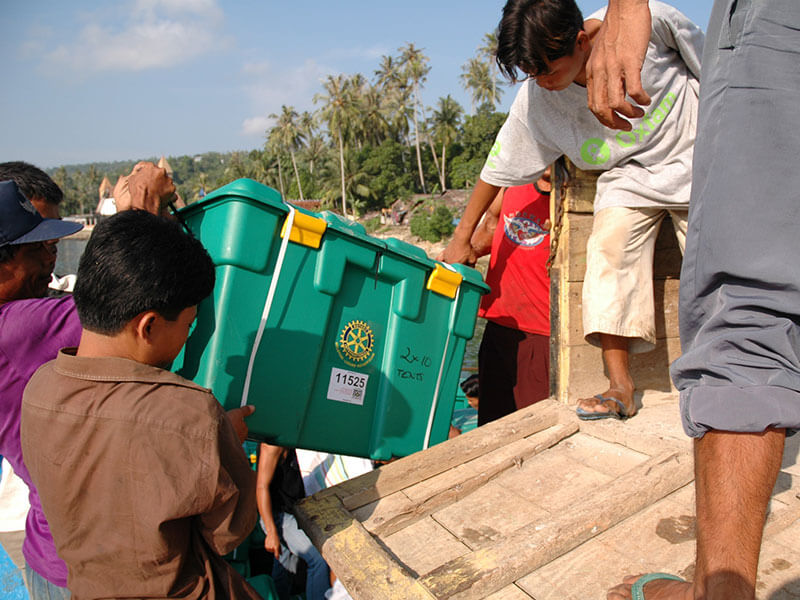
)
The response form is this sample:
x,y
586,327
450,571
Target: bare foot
x,y
599,406
659,589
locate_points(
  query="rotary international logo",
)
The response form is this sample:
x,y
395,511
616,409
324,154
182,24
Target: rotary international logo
x,y
355,344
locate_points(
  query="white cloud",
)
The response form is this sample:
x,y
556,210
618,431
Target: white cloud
x,y
269,88
256,126
154,34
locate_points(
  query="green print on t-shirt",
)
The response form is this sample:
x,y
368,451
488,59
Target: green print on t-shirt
x,y
595,151
492,153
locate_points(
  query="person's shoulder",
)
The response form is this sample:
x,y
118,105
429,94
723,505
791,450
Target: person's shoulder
x,y
187,392
43,376
597,15
520,103
37,328
63,305
661,12
171,405
179,388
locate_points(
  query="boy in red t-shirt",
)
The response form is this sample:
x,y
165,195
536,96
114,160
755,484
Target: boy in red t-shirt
x,y
514,356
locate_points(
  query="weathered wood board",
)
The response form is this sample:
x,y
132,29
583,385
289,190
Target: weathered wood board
x,y
536,505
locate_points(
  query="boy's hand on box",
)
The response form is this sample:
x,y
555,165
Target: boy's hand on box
x,y
458,251
237,417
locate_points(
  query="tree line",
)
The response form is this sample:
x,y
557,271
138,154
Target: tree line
x,y
367,143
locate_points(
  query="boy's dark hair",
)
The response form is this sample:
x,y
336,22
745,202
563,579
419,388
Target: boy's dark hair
x,y
470,386
534,31
135,262
31,181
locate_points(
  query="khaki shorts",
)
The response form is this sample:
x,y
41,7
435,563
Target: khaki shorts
x,y
618,286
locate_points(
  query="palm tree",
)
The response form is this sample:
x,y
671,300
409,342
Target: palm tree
x,y
336,112
445,129
273,149
388,75
375,111
477,81
314,151
289,136
266,170
489,53
415,65
356,87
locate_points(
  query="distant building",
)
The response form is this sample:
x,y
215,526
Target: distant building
x,y
106,204
163,164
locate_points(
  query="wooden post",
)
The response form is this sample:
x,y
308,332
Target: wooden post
x,y
577,367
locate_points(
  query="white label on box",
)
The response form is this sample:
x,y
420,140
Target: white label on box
x,y
347,386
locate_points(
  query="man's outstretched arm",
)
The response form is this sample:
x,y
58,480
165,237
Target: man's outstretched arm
x,y
615,66
459,249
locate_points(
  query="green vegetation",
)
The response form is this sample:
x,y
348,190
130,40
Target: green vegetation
x,y
372,224
432,222
367,145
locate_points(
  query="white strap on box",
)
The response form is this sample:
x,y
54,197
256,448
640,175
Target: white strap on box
x,y
435,402
276,273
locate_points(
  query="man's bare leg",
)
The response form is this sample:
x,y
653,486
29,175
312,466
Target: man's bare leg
x,y
621,387
734,477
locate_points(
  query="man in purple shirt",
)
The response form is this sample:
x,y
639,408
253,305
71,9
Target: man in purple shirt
x,y
34,328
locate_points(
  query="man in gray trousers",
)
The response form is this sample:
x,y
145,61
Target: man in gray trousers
x,y
739,375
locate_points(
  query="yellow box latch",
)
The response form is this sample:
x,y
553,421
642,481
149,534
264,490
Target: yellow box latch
x,y
306,230
444,281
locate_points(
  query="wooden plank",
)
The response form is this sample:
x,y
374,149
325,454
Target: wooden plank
x,y
575,231
536,492
367,571
609,458
590,564
422,499
655,428
510,592
422,465
778,572
424,545
581,190
492,568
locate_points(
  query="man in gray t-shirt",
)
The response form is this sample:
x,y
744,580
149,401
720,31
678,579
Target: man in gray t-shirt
x,y
646,171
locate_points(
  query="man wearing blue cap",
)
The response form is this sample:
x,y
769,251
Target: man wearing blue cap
x,y
27,254
32,331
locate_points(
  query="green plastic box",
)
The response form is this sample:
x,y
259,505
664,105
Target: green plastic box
x,y
343,342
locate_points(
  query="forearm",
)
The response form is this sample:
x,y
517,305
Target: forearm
x,y
481,198
264,504
459,249
481,241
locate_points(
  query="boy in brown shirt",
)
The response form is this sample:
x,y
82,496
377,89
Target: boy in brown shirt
x,y
141,473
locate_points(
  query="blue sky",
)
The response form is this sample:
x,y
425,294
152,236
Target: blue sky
x,y
88,80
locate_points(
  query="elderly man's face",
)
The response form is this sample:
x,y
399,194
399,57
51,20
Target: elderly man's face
x,y
27,274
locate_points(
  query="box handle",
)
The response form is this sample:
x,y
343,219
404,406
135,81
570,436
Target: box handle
x,y
444,280
306,230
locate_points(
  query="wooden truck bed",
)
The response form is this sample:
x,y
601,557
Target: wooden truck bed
x,y
536,505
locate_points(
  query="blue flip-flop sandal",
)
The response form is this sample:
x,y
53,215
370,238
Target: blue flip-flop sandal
x,y
637,589
594,416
